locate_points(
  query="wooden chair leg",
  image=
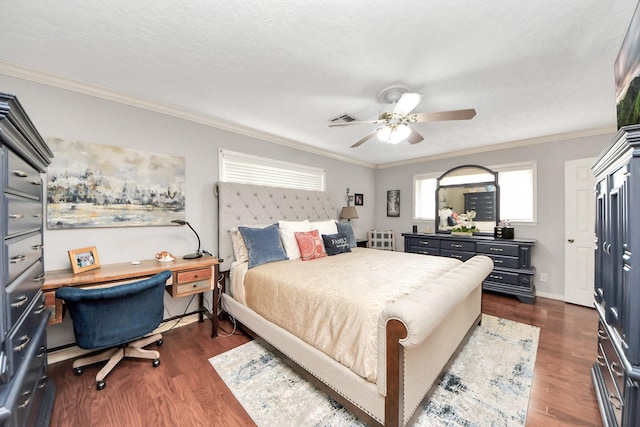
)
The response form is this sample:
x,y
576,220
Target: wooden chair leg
x,y
117,357
90,360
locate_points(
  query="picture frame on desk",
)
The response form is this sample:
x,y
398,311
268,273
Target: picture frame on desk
x,y
84,259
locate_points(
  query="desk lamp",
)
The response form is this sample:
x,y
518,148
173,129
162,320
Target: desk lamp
x,y
197,254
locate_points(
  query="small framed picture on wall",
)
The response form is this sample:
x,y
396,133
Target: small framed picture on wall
x,y
359,199
393,203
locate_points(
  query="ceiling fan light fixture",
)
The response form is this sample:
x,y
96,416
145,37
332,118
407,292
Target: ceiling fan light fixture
x,y
394,134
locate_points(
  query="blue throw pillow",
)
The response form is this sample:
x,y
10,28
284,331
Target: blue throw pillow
x,y
345,229
263,245
335,244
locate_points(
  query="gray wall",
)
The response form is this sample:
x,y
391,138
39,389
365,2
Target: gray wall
x,y
548,255
69,115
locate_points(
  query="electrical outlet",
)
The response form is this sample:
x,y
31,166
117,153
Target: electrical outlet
x,y
544,277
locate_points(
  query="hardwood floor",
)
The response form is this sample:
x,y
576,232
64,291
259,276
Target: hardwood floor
x,y
186,391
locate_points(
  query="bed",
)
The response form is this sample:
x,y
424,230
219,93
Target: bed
x,y
379,358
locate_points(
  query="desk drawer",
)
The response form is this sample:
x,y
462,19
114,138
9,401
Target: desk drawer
x,y
180,290
23,215
192,275
23,178
22,253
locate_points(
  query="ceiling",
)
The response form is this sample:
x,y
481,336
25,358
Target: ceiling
x,y
281,69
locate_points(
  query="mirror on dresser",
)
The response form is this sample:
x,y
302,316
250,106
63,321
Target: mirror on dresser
x,y
467,200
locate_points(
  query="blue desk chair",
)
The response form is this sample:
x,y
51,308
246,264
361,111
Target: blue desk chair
x,y
116,316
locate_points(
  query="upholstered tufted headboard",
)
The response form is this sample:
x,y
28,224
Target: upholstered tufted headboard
x,y
245,204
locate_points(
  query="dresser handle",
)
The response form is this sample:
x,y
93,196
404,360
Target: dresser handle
x,y
601,361
16,216
42,352
16,259
494,276
43,381
37,247
615,401
40,309
617,369
36,182
456,256
39,278
424,243
21,174
456,246
22,300
25,340
602,335
496,249
38,215
27,395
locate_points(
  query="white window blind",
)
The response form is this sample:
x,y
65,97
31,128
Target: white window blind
x,y
248,169
424,191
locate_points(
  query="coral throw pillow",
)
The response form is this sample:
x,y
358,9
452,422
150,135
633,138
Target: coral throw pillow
x,y
310,245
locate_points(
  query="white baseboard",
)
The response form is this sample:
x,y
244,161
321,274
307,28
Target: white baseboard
x,y
75,351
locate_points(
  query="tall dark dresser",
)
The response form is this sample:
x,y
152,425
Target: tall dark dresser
x,y
26,393
616,373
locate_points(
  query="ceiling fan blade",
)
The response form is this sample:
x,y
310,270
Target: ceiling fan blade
x,y
366,138
414,137
444,115
407,102
359,122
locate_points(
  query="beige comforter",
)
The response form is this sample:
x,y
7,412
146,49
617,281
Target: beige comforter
x,y
333,303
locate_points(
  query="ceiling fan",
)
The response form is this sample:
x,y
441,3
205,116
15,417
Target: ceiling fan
x,y
394,124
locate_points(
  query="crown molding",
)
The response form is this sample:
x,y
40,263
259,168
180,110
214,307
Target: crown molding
x,y
36,76
505,145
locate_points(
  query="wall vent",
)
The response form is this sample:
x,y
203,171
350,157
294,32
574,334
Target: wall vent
x,y
343,118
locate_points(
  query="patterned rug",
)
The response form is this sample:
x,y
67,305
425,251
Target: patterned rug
x,y
488,383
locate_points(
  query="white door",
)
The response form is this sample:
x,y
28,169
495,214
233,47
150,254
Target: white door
x,y
579,229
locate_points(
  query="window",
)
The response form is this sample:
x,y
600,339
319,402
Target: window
x,y
517,193
247,169
424,201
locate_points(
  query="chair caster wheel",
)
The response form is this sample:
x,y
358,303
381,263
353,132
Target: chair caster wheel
x,y
78,371
159,342
100,385
156,363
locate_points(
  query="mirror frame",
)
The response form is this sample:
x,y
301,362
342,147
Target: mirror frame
x,y
494,183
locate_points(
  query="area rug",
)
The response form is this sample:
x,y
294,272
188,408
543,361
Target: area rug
x,y
487,384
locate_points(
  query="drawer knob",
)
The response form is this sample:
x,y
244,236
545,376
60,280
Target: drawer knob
x,y
20,301
16,216
601,361
18,258
19,173
615,401
602,335
27,398
25,341
617,369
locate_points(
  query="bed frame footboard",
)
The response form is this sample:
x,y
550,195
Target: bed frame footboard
x,y
394,401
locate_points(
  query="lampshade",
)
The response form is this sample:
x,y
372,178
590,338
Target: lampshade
x,y
348,212
394,133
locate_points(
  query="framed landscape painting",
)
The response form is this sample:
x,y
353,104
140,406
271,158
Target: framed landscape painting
x,y
91,185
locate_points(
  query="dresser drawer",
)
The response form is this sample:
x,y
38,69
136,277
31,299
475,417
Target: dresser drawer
x,y
23,178
422,245
508,278
22,252
612,360
504,261
22,291
493,248
23,215
462,256
458,245
21,338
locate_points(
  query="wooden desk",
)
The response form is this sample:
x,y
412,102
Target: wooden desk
x,y
190,276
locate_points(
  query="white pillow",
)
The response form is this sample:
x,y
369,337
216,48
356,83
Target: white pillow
x,y
325,227
288,237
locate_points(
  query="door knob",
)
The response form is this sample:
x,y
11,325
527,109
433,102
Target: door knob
x,y
570,240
